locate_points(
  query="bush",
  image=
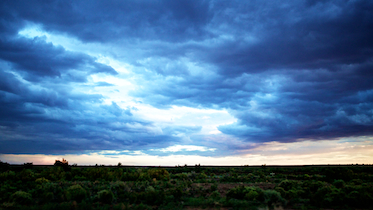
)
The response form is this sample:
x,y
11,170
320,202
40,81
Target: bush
x,y
26,175
313,186
118,185
236,193
327,196
8,175
130,176
272,197
215,194
256,195
159,174
339,183
41,180
21,197
338,173
106,196
281,191
121,189
287,184
181,176
76,193
151,196
141,207
47,196
248,193
213,187
177,192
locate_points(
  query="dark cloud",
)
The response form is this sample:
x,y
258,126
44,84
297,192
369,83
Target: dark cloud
x,y
40,59
35,58
41,120
49,122
288,71
311,108
102,22
293,36
39,110
29,126
323,35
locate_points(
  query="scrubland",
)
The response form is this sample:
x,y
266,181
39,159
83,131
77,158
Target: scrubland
x,y
188,187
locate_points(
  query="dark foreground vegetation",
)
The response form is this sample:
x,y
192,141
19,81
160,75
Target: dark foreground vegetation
x,y
74,187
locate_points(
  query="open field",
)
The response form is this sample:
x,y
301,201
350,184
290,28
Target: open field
x,y
188,187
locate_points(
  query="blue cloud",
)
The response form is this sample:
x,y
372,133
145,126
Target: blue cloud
x,y
287,71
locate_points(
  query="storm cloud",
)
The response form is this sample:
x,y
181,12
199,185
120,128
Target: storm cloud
x,y
285,71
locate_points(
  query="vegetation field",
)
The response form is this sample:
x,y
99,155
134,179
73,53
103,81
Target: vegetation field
x,y
187,187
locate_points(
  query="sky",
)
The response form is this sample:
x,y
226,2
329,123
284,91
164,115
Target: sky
x,y
168,82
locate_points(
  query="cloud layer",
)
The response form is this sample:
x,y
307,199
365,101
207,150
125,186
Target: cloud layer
x,y
265,72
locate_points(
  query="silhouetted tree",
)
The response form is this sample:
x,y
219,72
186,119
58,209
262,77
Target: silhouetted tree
x,y
28,165
64,164
61,163
4,166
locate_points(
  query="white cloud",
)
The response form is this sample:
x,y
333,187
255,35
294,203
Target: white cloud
x,y
178,148
125,81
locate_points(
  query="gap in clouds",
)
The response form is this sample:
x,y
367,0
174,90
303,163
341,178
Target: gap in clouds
x,y
300,153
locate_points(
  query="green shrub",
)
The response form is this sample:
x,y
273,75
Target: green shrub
x,y
252,195
272,197
215,195
256,195
41,180
177,192
150,189
327,196
339,183
118,185
181,176
121,189
248,193
202,176
353,198
236,193
47,196
312,186
76,193
338,173
357,181
143,176
213,187
8,175
79,178
26,175
142,207
105,196
130,176
288,184
281,191
159,174
21,197
241,204
306,177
